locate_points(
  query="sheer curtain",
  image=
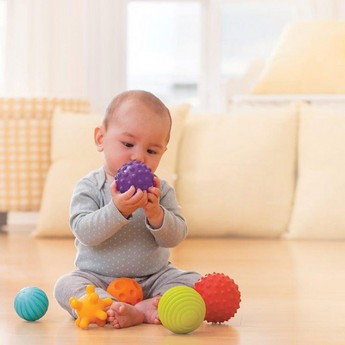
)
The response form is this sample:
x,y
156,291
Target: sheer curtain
x,y
63,48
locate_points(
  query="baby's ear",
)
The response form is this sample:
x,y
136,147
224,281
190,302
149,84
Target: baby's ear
x,y
98,137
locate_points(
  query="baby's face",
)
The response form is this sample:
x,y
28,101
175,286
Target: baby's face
x,y
135,133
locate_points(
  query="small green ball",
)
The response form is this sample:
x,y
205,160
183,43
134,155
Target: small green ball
x,y
181,309
31,303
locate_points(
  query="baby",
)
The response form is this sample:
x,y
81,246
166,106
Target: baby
x,y
129,234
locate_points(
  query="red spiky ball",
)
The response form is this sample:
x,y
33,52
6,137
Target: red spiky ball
x,y
221,295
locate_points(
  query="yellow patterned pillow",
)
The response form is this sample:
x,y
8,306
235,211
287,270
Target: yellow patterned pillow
x,y
25,148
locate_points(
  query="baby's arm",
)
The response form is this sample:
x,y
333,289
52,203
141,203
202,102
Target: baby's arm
x,y
173,228
153,210
91,222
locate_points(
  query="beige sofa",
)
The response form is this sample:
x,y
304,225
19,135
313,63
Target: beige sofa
x,y
266,171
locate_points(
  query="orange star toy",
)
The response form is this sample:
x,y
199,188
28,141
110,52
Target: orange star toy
x,y
90,308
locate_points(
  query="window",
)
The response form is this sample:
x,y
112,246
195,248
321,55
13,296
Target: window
x,y
163,49
250,31
190,50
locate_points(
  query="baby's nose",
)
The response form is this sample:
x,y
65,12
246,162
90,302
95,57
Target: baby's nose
x,y
138,156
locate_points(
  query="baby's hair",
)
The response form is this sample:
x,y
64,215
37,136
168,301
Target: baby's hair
x,y
144,96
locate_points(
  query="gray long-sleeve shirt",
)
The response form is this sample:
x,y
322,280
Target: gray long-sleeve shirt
x,y
108,243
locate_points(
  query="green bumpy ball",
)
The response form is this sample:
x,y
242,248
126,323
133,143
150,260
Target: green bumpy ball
x,y
181,309
31,303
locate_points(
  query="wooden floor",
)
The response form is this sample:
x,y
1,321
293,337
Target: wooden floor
x,y
292,293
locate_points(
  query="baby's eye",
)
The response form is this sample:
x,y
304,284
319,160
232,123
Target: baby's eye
x,y
127,144
151,152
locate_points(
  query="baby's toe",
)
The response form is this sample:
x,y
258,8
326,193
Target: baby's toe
x,y
110,313
116,324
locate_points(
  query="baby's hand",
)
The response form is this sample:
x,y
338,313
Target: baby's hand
x,y
153,211
128,201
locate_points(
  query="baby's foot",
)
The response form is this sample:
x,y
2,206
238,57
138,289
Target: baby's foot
x,y
122,315
149,309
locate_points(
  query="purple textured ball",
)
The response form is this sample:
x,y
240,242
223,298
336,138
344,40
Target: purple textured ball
x,y
135,174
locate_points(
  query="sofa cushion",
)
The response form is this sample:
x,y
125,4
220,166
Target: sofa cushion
x,y
319,210
73,155
237,172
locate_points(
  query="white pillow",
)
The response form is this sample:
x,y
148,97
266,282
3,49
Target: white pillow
x,y
168,164
309,59
319,211
237,172
73,155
